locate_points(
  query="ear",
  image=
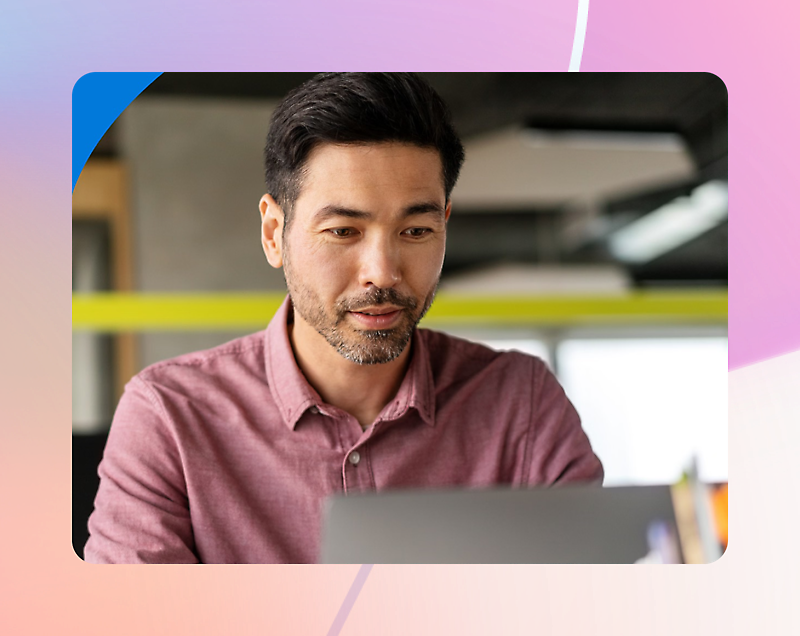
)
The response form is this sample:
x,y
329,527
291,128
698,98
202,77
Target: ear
x,y
447,211
272,230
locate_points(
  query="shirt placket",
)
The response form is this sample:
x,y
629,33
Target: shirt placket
x,y
356,469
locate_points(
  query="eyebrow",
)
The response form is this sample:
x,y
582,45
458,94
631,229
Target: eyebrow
x,y
329,211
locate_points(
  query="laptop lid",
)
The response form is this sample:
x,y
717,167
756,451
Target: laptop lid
x,y
567,524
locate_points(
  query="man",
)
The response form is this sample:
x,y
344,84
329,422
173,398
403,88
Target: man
x,y
226,455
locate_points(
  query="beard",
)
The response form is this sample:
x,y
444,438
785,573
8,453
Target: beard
x,y
362,346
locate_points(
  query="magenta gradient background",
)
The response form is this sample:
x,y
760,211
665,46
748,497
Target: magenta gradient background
x,y
45,46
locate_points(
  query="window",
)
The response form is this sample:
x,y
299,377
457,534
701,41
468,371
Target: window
x,y
649,405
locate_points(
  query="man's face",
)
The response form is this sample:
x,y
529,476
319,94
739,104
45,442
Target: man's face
x,y
363,253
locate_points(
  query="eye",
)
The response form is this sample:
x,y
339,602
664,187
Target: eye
x,y
342,232
417,232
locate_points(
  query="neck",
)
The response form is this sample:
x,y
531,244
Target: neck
x,y
359,389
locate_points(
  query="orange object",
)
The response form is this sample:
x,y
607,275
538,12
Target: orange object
x,y
719,507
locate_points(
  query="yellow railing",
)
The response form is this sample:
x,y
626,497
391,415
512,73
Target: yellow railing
x,y
121,312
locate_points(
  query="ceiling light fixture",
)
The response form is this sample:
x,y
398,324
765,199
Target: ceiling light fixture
x,y
671,225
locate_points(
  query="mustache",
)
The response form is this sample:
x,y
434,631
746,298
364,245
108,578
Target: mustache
x,y
378,296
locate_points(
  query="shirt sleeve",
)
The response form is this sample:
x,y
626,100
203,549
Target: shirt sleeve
x,y
558,449
141,512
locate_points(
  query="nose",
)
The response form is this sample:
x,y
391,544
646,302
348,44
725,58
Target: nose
x,y
380,264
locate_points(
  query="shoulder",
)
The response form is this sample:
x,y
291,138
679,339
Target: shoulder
x,y
238,358
199,390
447,347
457,358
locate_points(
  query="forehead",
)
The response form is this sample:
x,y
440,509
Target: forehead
x,y
368,175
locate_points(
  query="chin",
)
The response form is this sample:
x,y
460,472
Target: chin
x,y
381,347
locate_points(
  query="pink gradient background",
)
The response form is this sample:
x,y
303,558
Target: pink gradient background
x,y
45,46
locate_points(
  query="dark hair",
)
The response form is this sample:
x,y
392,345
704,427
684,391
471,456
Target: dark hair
x,y
356,108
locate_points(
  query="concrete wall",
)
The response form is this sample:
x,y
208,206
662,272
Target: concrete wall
x,y
195,182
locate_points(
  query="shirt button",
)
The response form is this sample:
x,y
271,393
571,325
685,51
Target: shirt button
x,y
354,458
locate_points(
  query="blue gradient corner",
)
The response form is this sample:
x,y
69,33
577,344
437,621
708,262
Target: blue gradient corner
x,y
97,101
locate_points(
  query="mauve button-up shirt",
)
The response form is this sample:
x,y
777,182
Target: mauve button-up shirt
x,y
226,455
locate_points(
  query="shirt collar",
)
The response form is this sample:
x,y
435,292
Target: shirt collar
x,y
291,391
416,390
293,394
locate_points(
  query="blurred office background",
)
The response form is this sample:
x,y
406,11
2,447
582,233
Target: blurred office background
x,y
575,185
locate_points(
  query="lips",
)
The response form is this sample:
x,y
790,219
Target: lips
x,y
377,311
377,317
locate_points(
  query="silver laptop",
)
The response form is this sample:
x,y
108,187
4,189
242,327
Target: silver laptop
x,y
568,524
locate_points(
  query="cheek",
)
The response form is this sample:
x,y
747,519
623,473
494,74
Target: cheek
x,y
323,266
334,264
424,269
